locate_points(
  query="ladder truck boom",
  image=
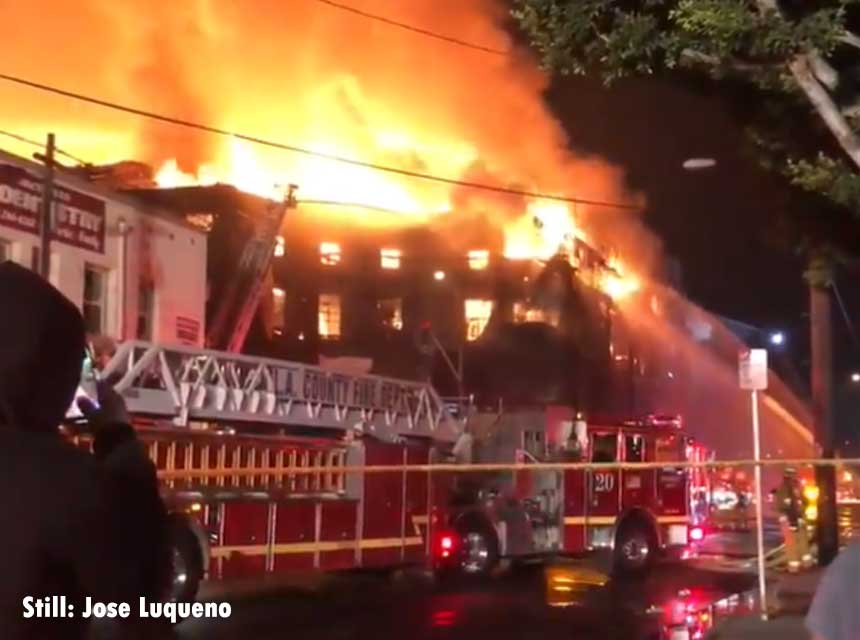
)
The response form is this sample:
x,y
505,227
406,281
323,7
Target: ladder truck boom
x,y
188,384
233,317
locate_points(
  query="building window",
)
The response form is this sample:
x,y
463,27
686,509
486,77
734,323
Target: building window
x,y
389,258
479,259
524,313
279,310
95,299
391,311
5,251
145,311
329,253
280,247
329,316
478,314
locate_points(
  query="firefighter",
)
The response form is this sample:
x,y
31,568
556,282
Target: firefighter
x,y
790,505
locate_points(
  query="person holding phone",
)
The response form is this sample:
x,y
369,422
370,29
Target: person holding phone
x,y
79,525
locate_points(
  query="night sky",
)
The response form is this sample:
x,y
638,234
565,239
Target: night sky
x,y
718,222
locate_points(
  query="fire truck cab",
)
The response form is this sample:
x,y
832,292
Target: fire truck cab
x,y
635,513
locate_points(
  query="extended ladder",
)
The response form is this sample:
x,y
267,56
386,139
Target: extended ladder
x,y
187,384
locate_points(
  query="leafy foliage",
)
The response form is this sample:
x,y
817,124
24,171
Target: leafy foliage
x,y
753,42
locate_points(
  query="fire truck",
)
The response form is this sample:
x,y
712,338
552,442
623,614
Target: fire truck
x,y
253,455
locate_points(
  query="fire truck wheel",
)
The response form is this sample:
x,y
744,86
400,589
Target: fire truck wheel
x,y
187,566
635,548
479,548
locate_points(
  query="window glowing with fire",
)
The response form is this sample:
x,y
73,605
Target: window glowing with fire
x,y
479,259
391,312
389,258
329,254
478,314
329,316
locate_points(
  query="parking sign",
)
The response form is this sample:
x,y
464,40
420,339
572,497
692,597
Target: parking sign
x,y
753,369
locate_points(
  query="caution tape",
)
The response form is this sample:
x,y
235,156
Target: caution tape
x,y
499,467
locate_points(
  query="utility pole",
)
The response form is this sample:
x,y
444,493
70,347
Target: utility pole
x,y
821,376
47,225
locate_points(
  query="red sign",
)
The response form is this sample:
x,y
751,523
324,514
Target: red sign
x,y
78,219
187,330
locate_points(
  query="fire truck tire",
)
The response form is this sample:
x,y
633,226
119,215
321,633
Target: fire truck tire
x,y
635,547
479,548
187,565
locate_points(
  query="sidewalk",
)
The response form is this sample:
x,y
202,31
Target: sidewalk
x,y
789,598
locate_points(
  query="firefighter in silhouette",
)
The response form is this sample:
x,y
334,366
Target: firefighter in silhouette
x,y
791,506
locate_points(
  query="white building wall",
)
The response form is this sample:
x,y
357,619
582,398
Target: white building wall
x,y
154,247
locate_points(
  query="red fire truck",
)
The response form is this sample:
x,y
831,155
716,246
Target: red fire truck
x,y
252,453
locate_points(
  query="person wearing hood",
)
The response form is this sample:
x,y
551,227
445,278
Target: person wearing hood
x,y
77,525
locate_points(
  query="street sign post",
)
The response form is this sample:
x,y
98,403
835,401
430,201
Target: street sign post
x,y
753,378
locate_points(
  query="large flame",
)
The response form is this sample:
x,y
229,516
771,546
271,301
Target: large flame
x,y
321,79
332,83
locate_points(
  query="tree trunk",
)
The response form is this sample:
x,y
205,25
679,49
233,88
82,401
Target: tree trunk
x,y
821,328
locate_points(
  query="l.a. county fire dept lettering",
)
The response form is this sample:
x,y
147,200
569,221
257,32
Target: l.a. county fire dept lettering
x,y
315,385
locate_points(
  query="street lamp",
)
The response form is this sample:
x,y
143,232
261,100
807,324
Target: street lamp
x,y
855,377
777,338
696,164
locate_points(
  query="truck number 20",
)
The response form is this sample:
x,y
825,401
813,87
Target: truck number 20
x,y
604,482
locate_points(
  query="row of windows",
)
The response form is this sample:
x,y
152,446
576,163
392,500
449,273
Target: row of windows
x,y
389,258
329,318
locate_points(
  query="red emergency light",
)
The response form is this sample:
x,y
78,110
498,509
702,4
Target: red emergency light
x,y
446,545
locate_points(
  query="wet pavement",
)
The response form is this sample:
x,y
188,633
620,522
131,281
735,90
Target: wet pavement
x,y
514,605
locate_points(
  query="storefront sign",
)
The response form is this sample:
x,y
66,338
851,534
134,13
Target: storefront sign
x,y
78,219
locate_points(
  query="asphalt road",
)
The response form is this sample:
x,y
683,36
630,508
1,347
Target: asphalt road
x,y
513,605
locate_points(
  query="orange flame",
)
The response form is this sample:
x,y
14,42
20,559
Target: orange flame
x,y
326,80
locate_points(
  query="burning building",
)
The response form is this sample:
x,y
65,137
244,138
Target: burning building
x,y
387,135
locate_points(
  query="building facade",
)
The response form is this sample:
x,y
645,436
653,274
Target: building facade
x,y
136,271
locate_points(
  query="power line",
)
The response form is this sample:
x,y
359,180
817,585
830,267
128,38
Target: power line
x,y
318,154
41,145
414,29
357,205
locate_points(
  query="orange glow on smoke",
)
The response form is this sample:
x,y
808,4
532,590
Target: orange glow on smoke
x,y
321,79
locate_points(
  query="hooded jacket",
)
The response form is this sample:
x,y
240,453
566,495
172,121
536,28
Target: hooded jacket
x,y
76,524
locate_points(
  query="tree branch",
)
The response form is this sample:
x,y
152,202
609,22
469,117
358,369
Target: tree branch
x,y
823,71
851,39
801,68
823,103
738,65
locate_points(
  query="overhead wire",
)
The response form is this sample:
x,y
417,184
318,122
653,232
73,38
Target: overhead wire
x,y
413,28
36,143
309,152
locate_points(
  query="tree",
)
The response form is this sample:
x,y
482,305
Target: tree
x,y
801,61
786,51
